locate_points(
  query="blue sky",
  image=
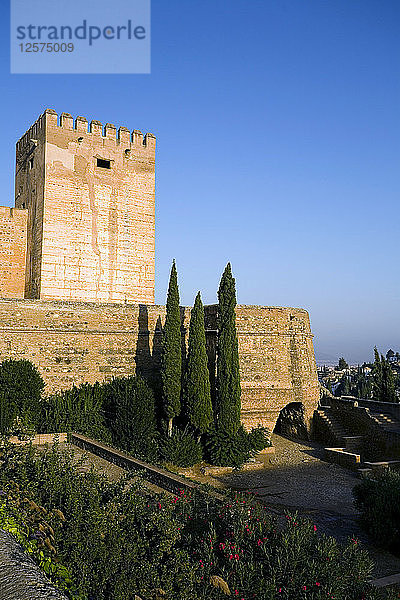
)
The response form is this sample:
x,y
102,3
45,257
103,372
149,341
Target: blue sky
x,y
278,149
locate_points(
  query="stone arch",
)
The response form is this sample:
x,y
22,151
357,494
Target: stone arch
x,y
292,421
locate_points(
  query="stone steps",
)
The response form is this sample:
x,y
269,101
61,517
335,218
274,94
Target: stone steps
x,y
336,429
386,421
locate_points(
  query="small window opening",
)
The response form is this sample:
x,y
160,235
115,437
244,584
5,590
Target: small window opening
x,y
104,164
31,163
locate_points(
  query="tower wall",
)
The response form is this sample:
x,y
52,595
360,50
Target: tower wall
x,y
91,197
13,225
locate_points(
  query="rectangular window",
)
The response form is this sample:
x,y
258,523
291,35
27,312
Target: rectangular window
x,y
31,163
104,164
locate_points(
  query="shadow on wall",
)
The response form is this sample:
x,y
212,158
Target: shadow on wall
x,y
148,361
148,357
291,421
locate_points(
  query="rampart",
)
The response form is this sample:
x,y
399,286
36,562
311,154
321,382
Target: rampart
x,y
75,342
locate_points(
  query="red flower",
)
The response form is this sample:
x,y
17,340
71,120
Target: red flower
x,y
318,584
304,587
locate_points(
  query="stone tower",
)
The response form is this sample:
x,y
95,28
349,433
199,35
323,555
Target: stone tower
x,y
89,195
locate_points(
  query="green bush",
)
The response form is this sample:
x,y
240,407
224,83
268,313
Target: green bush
x,y
118,542
233,450
130,416
378,500
258,439
78,409
21,387
181,449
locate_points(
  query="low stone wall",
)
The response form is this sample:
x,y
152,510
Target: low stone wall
x,y
20,577
343,458
392,408
358,419
158,476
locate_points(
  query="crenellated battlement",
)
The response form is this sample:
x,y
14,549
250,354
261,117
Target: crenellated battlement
x,y
33,133
65,121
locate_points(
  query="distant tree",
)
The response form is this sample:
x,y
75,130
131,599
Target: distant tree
x,y
197,394
344,387
342,364
377,377
383,381
228,403
171,369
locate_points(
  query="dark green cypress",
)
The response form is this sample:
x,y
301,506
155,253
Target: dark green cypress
x,y
228,403
377,377
388,382
197,394
171,370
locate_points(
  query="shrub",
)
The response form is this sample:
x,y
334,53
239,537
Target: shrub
x,y
378,500
79,409
227,450
258,439
130,416
119,542
181,449
21,387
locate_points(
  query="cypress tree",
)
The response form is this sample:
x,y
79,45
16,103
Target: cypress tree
x,y
388,382
228,403
383,383
377,377
197,394
171,369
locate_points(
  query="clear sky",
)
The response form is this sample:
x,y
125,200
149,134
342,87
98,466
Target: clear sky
x,y
278,150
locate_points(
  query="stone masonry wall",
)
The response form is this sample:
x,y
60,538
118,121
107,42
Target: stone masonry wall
x,y
91,198
13,225
73,342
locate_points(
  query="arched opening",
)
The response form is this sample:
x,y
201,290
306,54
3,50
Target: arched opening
x,y
291,421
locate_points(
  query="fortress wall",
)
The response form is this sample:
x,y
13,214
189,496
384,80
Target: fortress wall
x,y
277,363
73,342
13,227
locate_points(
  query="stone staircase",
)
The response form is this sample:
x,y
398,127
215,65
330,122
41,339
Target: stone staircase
x,y
350,446
386,421
336,429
